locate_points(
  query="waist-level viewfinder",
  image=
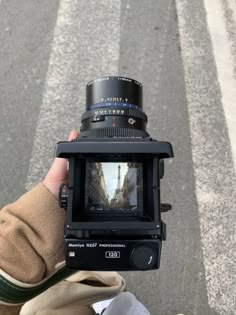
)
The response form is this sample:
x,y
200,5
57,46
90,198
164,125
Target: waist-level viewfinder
x,y
112,196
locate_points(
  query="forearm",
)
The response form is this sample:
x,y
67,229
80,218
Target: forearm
x,y
31,239
31,235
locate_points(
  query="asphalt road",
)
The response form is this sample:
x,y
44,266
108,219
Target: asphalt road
x,y
49,50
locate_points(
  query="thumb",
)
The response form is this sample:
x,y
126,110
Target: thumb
x,y
73,135
58,171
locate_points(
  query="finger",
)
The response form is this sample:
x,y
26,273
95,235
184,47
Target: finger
x,y
73,135
58,170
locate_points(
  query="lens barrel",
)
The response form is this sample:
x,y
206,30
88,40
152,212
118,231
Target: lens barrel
x,y
114,108
114,90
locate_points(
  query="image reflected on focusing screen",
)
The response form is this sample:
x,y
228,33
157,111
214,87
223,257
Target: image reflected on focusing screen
x,y
116,185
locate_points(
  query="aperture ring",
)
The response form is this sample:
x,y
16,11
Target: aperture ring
x,y
114,111
114,104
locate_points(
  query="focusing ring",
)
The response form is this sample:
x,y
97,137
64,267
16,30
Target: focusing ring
x,y
113,89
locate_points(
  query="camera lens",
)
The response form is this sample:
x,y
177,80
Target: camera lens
x,y
118,91
114,108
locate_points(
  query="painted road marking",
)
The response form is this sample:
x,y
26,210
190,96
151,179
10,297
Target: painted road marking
x,y
224,64
84,47
232,7
211,150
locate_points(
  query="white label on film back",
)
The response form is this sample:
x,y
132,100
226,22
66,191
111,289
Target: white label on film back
x,y
112,254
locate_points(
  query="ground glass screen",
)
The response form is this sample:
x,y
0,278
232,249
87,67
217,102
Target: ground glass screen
x,y
113,185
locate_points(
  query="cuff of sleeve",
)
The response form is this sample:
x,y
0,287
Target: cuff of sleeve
x,y
14,292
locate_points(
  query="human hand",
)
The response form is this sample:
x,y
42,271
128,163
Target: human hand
x,y
58,171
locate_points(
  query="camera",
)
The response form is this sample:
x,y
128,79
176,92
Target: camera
x,y
112,196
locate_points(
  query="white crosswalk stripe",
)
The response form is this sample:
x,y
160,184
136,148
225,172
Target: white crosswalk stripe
x,y
224,63
62,107
213,161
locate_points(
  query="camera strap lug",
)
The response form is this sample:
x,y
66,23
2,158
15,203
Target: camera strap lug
x,y
166,207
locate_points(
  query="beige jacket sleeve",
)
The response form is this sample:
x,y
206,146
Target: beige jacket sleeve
x,y
31,238
31,235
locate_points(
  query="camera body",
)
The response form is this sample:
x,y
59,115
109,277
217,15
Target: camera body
x,y
112,196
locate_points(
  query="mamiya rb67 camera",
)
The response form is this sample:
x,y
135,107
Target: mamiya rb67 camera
x,y
112,196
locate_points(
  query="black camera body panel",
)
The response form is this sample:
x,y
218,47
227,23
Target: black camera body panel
x,y
123,255
132,233
66,149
